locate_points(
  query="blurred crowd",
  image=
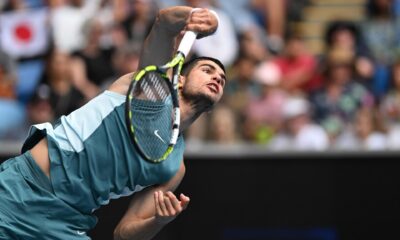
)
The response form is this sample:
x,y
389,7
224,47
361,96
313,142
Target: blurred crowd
x,y
278,94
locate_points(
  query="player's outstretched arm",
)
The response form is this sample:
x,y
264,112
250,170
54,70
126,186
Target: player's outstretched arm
x,y
165,35
151,209
159,46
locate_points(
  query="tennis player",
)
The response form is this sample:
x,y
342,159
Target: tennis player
x,y
71,167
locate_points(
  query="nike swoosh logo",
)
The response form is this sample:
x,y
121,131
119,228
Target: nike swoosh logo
x,y
80,232
157,135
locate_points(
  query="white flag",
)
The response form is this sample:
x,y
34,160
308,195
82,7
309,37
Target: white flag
x,y
24,33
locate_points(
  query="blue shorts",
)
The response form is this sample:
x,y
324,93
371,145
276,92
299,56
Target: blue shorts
x,y
29,209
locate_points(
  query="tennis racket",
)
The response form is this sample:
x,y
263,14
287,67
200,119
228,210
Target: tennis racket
x,y
152,111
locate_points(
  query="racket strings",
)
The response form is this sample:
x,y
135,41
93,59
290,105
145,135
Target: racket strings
x,y
154,87
152,114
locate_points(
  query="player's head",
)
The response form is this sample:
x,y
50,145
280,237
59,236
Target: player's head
x,y
203,80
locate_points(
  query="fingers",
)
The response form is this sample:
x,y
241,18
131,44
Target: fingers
x,y
167,204
202,21
184,201
159,211
162,204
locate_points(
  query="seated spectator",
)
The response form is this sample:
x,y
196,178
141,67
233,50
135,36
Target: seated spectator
x,y
38,110
381,32
263,116
124,60
366,133
241,87
252,45
337,102
222,126
393,137
298,67
92,65
390,105
62,95
299,133
345,36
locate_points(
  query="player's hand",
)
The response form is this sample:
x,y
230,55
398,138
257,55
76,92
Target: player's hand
x,y
168,207
202,21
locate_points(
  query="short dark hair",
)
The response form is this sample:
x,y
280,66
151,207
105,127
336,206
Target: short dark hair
x,y
189,64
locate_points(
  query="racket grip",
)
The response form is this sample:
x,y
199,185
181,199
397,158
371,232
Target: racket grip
x,y
187,42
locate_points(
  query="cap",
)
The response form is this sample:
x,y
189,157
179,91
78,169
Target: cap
x,y
295,106
268,73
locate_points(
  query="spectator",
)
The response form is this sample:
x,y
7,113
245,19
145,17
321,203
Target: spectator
x,y
38,109
61,94
252,44
92,65
12,5
124,60
337,102
298,67
241,87
382,35
67,22
139,19
366,133
393,137
300,133
264,116
7,77
222,126
110,17
390,105
345,36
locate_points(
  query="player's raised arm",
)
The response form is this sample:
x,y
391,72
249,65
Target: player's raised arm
x,y
160,44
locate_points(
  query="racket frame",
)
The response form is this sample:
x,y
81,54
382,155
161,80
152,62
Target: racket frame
x,y
176,64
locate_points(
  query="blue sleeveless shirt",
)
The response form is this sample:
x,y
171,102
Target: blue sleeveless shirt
x,y
92,158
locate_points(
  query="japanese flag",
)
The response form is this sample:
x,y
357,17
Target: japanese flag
x,y
24,33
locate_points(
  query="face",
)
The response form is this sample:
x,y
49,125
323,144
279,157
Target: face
x,y
205,82
364,123
341,74
294,48
344,38
59,63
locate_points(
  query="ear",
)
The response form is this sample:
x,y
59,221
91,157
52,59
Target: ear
x,y
181,81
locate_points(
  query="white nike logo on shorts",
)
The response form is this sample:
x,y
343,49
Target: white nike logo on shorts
x,y
80,232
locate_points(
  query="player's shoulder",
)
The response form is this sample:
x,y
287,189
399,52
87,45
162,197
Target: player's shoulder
x,y
121,85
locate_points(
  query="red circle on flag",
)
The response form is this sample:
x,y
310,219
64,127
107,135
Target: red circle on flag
x,y
23,32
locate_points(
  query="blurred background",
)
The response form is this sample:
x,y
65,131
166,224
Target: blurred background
x,y
304,142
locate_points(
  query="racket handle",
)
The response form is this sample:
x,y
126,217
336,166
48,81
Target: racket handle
x,y
187,42
190,36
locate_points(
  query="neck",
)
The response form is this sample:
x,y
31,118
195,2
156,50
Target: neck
x,y
191,110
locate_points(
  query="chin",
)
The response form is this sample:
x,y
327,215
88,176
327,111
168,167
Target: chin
x,y
206,100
